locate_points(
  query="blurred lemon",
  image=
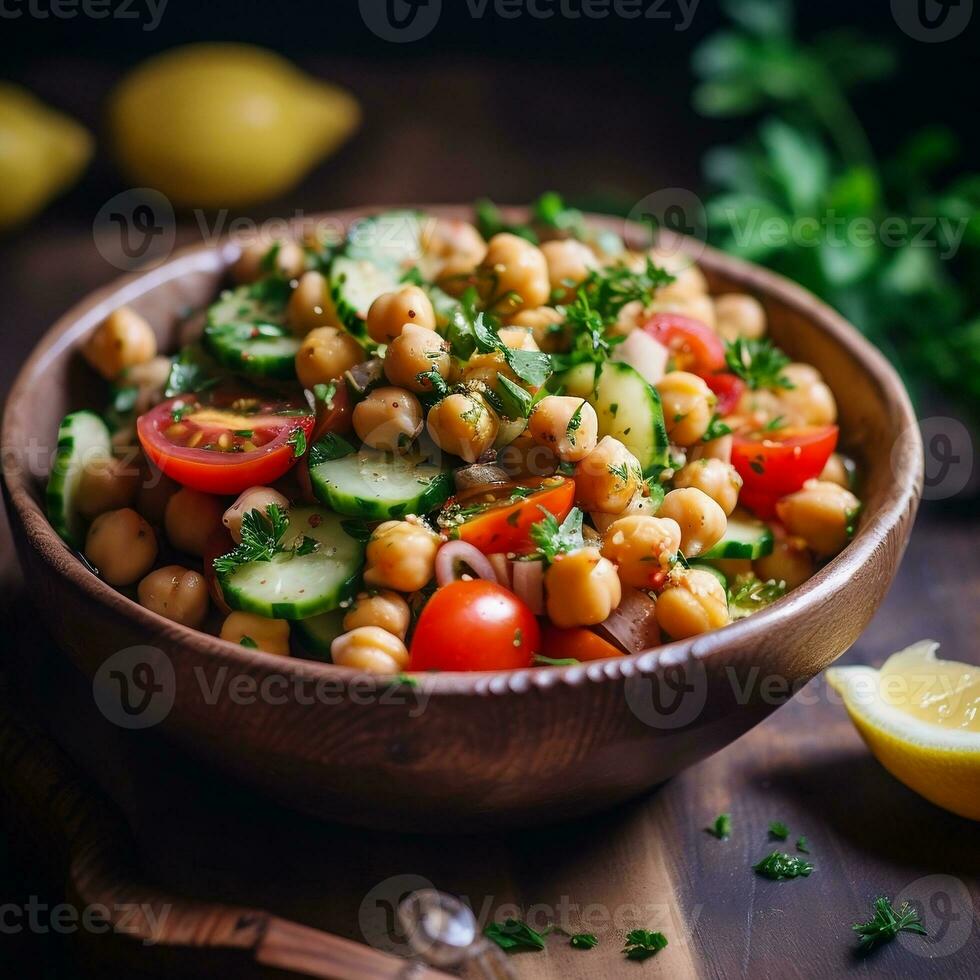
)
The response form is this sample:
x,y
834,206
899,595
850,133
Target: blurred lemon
x,y
225,124
41,153
921,718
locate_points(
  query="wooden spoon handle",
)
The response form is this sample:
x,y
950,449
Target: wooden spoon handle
x,y
86,848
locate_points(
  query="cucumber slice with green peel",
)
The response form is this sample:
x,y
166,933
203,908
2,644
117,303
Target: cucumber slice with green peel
x,y
579,381
82,436
629,410
378,486
355,284
745,537
261,350
292,586
318,632
391,238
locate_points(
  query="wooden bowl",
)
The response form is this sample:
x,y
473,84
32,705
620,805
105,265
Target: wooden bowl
x,y
460,752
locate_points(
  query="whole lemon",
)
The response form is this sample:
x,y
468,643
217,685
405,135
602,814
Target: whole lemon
x,y
225,124
41,153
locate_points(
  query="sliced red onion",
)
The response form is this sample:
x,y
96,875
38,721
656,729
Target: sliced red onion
x,y
501,566
633,625
454,554
529,584
648,357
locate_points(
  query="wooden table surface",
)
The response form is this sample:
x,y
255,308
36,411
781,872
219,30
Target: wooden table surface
x,y
647,864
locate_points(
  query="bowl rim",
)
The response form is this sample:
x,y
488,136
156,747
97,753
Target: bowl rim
x,y
900,499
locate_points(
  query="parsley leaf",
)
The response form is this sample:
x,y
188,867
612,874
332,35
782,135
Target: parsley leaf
x,y
778,830
722,827
574,423
583,940
325,393
751,594
641,944
513,936
262,536
248,643
554,539
885,923
778,867
759,363
611,288
716,429
803,845
297,439
329,446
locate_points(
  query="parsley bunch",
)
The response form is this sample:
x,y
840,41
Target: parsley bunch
x,y
885,923
759,363
641,944
553,539
262,537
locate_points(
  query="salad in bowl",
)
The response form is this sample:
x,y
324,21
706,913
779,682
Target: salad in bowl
x,y
430,446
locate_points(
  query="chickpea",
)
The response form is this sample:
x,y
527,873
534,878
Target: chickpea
x,y
254,498
720,481
642,547
630,317
689,280
639,504
569,265
311,306
838,470
607,478
106,483
582,587
513,274
414,352
121,545
401,555
371,649
790,562
547,327
255,260
698,307
463,424
720,448
150,379
739,315
517,337
155,491
694,602
702,521
757,408
122,340
809,401
688,405
524,457
250,630
487,368
454,248
384,609
388,419
822,514
190,519
175,593
391,311
569,425
325,354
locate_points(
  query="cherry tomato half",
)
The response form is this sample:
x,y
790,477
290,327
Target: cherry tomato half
x,y
498,518
728,389
475,625
693,345
224,442
773,464
333,414
577,643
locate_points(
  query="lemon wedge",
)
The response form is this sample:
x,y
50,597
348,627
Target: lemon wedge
x,y
920,716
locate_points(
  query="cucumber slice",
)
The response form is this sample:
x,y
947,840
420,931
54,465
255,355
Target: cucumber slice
x,y
629,410
246,331
318,632
355,284
391,238
745,537
82,436
378,486
579,381
299,586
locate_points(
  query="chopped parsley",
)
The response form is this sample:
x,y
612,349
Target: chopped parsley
x,y
262,540
297,439
722,827
610,289
778,830
886,923
514,936
325,393
641,944
583,940
780,867
802,845
716,429
574,423
759,363
554,539
329,446
248,643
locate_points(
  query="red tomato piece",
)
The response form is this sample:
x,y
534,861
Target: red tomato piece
x,y
728,389
577,643
224,442
774,464
693,345
474,625
334,415
499,518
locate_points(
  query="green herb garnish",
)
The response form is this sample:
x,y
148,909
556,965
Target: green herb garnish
x,y
540,660
514,936
885,924
248,643
297,439
262,540
779,867
583,940
325,393
759,363
641,944
778,830
554,539
716,429
722,827
802,845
